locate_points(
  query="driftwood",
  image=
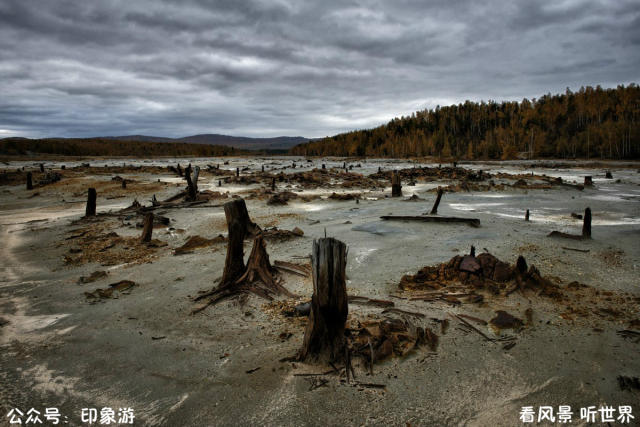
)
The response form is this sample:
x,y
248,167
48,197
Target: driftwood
x,y
324,334
301,270
473,222
147,230
434,210
91,202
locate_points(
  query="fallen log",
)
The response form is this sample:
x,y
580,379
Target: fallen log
x,y
473,222
301,270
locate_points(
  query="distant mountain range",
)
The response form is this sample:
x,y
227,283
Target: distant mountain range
x,y
241,142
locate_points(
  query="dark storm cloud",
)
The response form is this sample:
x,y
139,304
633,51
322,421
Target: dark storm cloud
x,y
80,68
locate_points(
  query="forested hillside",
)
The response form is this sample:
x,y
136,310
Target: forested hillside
x,y
590,123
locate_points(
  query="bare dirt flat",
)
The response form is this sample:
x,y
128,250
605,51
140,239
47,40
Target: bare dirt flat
x,y
136,344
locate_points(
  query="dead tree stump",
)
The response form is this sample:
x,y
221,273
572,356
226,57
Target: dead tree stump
x,y
237,172
124,183
42,167
179,169
191,189
29,181
588,181
324,334
273,184
608,175
147,230
526,215
196,174
258,277
434,210
91,202
586,225
396,187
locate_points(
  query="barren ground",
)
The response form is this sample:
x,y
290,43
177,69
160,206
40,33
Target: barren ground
x,y
143,349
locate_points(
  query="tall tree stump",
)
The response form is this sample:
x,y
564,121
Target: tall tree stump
x,y
526,215
196,174
124,183
324,334
191,189
396,187
42,167
586,225
588,181
258,277
29,181
147,229
91,202
237,172
434,209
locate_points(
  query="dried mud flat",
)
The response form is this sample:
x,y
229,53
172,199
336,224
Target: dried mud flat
x,y
90,316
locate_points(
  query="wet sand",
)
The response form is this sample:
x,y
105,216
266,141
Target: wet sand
x,y
60,349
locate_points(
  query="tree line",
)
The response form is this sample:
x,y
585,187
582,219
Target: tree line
x,y
590,123
111,147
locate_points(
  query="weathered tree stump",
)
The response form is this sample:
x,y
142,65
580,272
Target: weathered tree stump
x,y
273,184
258,277
147,229
179,169
237,172
124,183
262,168
608,175
191,189
586,225
526,215
396,186
196,174
29,181
42,167
324,334
324,166
434,209
588,181
91,202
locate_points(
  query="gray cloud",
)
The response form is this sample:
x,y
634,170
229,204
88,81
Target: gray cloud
x,y
266,68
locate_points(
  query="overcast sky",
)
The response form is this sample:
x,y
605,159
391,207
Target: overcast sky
x,y
293,67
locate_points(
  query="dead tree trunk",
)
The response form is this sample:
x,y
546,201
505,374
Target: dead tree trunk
x,y
324,334
588,181
42,167
147,230
237,172
124,183
29,181
526,216
91,202
434,210
586,225
234,263
273,184
179,169
191,195
196,174
258,277
396,187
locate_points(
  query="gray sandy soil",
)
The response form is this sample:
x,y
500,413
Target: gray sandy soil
x,y
59,350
